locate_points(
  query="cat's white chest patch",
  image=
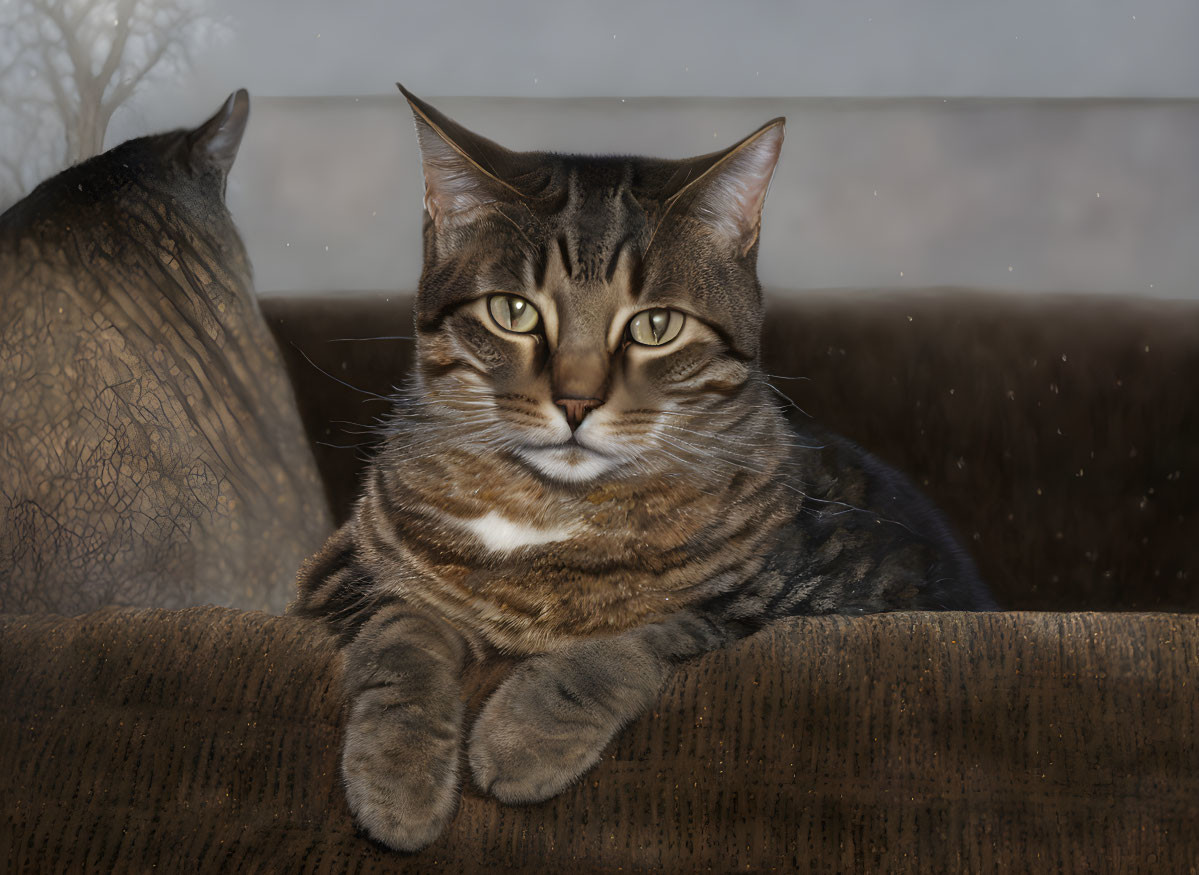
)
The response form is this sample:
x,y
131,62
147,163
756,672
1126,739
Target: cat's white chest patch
x,y
501,535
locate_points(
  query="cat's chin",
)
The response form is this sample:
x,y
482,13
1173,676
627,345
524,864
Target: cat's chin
x,y
567,463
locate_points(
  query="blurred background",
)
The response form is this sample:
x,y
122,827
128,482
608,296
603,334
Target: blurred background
x,y
1020,148
1031,145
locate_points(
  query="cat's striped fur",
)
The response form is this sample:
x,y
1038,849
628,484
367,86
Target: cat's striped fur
x,y
599,508
151,452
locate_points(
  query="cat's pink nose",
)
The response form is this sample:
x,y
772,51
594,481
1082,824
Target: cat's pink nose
x,y
576,408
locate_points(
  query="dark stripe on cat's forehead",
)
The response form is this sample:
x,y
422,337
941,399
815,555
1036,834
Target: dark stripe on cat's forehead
x,y
599,221
564,253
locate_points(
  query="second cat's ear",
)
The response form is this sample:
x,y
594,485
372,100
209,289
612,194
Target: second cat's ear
x,y
726,190
215,143
463,171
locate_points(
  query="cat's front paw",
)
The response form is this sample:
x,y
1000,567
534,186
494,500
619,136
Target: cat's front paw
x,y
536,735
400,772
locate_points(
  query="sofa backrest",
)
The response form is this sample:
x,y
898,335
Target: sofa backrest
x,y
1060,433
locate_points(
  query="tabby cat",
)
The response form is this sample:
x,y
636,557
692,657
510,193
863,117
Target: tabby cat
x,y
151,452
588,472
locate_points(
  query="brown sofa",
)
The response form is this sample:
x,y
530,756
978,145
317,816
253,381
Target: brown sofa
x,y
1059,434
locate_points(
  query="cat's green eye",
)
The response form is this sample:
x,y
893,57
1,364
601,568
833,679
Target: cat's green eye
x,y
513,313
656,327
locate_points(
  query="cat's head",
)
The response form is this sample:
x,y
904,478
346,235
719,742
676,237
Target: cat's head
x,y
590,315
184,171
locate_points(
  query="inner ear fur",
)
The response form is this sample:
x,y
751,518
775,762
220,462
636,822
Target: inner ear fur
x,y
215,143
726,190
463,171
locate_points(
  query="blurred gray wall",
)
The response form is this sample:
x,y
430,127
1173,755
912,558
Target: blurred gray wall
x,y
1026,145
1031,195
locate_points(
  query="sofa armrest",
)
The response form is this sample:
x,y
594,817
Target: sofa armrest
x,y
133,738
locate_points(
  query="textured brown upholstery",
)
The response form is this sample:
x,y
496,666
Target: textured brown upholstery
x,y
950,742
207,739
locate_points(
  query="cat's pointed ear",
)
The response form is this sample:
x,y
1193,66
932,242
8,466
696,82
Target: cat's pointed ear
x,y
463,171
726,190
215,143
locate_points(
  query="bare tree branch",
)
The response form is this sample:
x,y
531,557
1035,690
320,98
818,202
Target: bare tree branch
x,y
71,64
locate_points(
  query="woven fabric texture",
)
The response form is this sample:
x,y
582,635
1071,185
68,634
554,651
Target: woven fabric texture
x,y
207,740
